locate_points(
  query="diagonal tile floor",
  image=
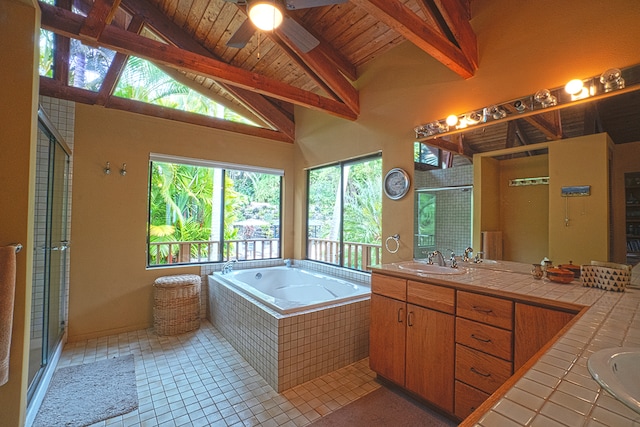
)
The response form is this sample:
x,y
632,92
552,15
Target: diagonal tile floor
x,y
198,379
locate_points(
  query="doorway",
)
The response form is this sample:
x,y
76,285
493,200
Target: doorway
x,y
51,244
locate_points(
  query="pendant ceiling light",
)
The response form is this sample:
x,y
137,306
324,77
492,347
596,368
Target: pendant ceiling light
x,y
267,15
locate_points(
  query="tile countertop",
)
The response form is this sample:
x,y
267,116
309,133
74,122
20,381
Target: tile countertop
x,y
557,390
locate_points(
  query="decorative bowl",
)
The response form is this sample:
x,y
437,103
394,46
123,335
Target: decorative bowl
x,y
559,275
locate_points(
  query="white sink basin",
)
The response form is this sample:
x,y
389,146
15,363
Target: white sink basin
x,y
421,267
618,371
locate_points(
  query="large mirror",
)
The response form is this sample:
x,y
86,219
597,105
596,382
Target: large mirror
x,y
521,145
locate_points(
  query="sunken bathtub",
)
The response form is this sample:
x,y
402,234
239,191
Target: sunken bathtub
x,y
291,324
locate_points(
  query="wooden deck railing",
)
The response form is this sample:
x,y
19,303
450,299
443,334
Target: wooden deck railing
x,y
356,255
209,251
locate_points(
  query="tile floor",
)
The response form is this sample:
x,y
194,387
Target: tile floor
x,y
198,379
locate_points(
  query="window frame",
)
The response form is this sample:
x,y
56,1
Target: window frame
x,y
341,164
224,167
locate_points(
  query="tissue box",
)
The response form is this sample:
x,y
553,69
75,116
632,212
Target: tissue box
x,y
606,275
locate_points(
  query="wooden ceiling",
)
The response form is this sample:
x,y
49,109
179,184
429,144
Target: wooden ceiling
x,y
269,75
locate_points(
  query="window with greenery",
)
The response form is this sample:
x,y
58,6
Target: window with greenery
x,y
344,212
426,157
140,80
426,220
207,212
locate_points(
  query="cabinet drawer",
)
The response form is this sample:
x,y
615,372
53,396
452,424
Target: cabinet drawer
x,y
481,370
490,310
485,338
467,399
432,296
391,287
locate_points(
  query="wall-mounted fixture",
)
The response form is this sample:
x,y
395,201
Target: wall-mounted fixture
x,y
107,169
123,171
520,182
576,90
612,79
545,99
267,15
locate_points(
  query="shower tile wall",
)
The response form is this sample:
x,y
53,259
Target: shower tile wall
x,y
62,116
453,208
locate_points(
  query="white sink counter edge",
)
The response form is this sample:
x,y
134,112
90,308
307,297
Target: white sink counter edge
x,y
558,390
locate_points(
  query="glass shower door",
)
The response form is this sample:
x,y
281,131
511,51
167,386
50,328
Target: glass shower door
x,y
50,253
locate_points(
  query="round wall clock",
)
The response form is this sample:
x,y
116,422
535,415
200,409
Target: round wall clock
x,y
396,184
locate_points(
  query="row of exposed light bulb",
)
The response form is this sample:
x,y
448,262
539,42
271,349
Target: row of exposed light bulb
x,y
576,88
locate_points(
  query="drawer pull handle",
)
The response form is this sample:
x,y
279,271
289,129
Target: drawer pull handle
x,y
475,371
400,316
409,317
475,337
482,310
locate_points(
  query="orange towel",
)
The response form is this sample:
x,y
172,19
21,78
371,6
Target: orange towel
x,y
7,296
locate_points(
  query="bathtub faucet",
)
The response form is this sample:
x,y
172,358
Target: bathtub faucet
x,y
227,267
287,262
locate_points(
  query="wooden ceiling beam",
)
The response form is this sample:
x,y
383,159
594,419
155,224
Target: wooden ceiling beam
x,y
99,18
402,19
335,56
256,103
56,89
549,123
69,24
458,146
117,65
327,72
456,18
62,50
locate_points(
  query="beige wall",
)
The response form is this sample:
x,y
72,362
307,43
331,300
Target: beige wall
x,y
111,291
576,162
19,20
524,210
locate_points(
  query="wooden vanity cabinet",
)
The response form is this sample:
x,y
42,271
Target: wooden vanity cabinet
x,y
387,337
411,343
451,347
430,343
484,348
534,327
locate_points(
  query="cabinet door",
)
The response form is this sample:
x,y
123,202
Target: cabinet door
x,y
387,338
534,327
430,355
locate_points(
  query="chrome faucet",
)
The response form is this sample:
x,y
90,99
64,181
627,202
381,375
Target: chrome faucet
x,y
287,262
438,256
227,267
452,258
467,252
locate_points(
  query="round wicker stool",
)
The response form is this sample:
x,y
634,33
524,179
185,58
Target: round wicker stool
x,y
176,304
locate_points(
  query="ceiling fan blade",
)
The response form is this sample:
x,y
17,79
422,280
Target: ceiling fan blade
x,y
243,34
305,4
298,35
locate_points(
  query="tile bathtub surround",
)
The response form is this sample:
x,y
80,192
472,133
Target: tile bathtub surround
x,y
198,379
288,350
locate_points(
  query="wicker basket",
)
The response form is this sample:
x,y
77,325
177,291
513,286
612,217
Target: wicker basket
x,y
607,276
176,307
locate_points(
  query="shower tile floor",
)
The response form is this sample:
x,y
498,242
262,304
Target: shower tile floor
x,y
198,379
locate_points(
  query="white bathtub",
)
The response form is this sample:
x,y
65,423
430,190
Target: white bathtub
x,y
290,289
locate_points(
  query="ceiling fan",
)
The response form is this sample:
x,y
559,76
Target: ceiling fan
x,y
277,18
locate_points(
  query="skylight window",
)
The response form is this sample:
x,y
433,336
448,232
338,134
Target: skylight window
x,y
143,81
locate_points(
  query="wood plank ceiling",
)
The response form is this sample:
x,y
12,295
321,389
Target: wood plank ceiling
x,y
269,75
